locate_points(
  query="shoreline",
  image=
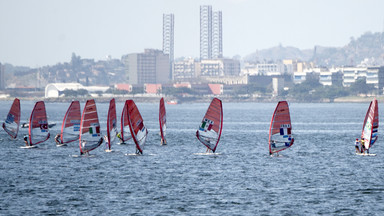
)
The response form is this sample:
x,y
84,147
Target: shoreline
x,y
203,99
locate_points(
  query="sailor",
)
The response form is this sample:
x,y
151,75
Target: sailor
x,y
57,139
120,138
273,144
357,143
26,140
362,142
106,142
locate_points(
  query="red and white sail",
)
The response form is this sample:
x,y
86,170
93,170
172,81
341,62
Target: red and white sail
x,y
38,124
90,136
70,129
125,131
280,130
111,123
162,120
371,125
136,125
209,132
12,122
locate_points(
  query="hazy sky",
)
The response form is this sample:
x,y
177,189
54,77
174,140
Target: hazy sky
x,y
45,32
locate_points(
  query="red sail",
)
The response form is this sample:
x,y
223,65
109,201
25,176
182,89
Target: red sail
x,y
70,129
162,120
12,122
136,125
38,124
90,136
371,125
209,132
111,122
280,131
125,131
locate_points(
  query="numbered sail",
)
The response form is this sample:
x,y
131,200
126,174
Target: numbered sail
x,y
12,122
280,131
125,131
111,123
38,124
90,136
70,130
136,125
211,126
162,120
371,125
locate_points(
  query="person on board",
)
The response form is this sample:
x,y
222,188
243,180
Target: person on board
x,y
163,142
106,142
118,135
357,143
362,142
273,144
57,139
26,140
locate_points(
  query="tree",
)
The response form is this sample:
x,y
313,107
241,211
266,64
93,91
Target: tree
x,y
360,86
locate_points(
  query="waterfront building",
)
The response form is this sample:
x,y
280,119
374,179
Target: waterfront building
x,y
152,66
186,69
220,67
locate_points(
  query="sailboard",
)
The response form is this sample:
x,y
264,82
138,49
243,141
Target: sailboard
x,y
70,129
111,123
371,125
365,154
12,122
162,121
90,136
280,130
125,131
136,125
38,124
209,131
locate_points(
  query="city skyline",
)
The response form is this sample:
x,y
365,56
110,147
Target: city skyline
x,y
46,32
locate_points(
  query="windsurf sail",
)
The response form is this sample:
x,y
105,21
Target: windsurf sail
x,y
125,131
209,132
162,121
12,122
111,123
371,125
70,130
90,136
136,125
38,124
280,130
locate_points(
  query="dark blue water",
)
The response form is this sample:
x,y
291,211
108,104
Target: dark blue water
x,y
320,174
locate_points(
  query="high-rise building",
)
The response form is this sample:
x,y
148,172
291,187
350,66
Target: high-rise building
x,y
168,38
217,35
205,32
152,66
211,31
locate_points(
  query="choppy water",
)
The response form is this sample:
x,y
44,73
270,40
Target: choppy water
x,y
320,174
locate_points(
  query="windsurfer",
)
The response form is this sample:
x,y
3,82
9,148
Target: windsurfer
x,y
57,139
106,142
120,138
26,140
357,145
362,142
273,144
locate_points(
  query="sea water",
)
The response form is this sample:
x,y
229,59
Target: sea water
x,y
319,174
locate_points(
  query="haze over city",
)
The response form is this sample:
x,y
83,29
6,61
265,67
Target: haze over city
x,y
43,32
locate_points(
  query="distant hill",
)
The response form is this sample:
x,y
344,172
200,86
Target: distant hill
x,y
368,46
